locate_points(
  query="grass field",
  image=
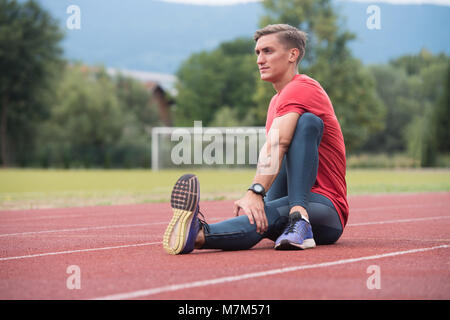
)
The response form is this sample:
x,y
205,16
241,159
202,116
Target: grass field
x,y
26,189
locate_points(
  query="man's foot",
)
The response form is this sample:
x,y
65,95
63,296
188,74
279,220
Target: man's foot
x,y
182,231
297,235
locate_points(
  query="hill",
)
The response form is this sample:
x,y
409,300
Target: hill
x,y
157,36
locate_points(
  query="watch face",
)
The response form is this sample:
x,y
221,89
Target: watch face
x,y
258,188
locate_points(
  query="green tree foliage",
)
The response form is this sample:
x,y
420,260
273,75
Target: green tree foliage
x,y
413,88
395,89
211,81
97,121
133,147
441,119
433,76
30,58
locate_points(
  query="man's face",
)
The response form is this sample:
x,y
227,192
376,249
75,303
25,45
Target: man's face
x,y
274,59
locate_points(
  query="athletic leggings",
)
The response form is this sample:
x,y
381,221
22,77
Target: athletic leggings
x,y
291,187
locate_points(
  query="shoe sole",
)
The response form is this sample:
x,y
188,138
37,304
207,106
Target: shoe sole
x,y
288,245
184,200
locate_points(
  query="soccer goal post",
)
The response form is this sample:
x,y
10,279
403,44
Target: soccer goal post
x,y
206,147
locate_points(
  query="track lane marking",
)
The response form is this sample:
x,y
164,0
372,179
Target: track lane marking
x,y
154,243
212,219
90,228
401,206
80,229
203,283
396,221
77,251
33,214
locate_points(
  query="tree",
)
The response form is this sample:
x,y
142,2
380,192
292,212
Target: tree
x,y
211,81
441,117
97,121
427,132
394,88
136,99
30,58
85,120
140,114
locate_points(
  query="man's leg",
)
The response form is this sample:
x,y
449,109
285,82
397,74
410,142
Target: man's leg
x,y
279,186
302,162
302,159
325,221
296,178
238,234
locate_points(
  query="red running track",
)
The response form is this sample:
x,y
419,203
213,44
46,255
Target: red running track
x,y
118,249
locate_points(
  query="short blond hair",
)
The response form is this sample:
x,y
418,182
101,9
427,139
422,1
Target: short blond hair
x,y
290,36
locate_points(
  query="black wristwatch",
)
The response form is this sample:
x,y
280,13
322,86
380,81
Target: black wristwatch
x,y
258,189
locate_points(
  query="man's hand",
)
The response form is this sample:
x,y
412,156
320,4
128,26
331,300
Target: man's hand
x,y
253,206
269,163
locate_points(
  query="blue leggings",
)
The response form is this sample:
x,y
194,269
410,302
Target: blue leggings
x,y
291,187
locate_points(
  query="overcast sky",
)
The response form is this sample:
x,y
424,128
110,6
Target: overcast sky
x,y
231,2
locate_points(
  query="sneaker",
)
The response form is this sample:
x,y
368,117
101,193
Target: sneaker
x,y
182,231
297,235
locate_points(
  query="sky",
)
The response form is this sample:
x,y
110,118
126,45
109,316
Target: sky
x,y
232,2
141,35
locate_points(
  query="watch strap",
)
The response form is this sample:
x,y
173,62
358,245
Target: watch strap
x,y
262,192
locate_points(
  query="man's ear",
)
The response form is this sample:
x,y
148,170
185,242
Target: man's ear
x,y
293,54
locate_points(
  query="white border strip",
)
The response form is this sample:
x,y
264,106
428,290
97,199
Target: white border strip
x,y
81,229
212,219
396,221
203,283
76,251
159,242
401,206
90,228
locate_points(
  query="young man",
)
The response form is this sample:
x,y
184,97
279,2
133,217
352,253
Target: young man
x,y
302,166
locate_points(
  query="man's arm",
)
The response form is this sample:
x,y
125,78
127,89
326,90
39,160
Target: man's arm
x,y
269,164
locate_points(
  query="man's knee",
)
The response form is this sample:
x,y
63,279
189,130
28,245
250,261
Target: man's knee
x,y
325,235
309,123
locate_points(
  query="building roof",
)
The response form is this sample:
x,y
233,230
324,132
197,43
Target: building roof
x,y
164,80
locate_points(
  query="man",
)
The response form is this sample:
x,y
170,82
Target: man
x,y
302,165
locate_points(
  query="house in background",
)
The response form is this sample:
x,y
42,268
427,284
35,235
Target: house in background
x,y
159,84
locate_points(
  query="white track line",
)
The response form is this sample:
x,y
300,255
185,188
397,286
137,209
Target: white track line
x,y
396,221
76,251
20,219
90,228
153,243
400,206
203,283
213,219
81,229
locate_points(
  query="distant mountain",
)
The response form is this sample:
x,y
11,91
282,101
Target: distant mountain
x,y
405,29
157,36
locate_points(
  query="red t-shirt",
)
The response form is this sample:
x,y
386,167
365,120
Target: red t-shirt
x,y
304,94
